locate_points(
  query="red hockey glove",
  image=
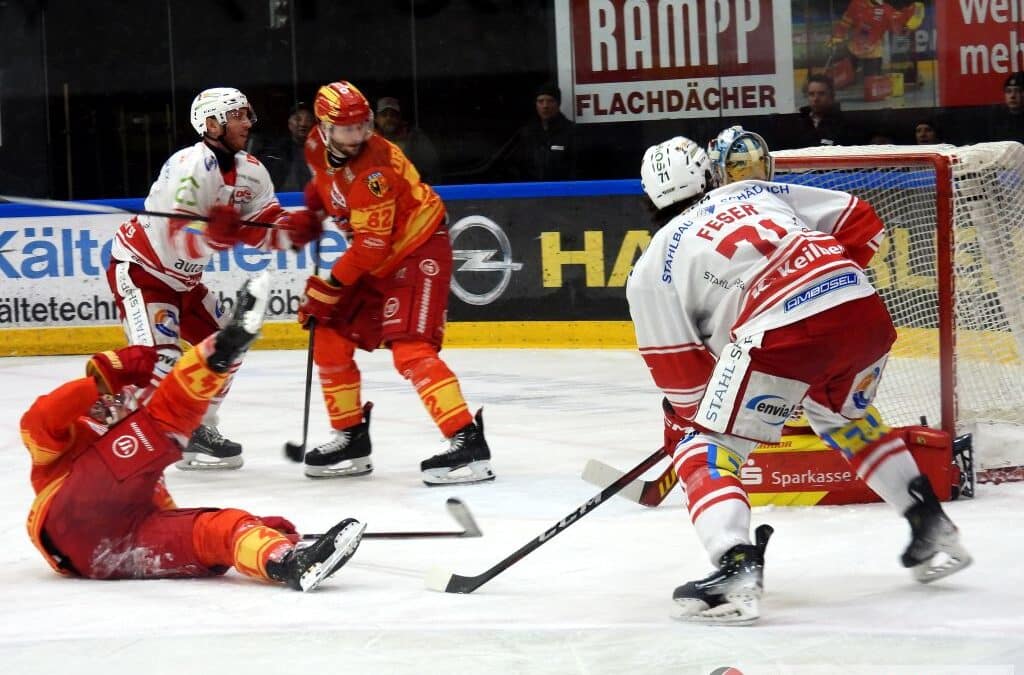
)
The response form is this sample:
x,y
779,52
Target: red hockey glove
x,y
303,227
116,369
675,426
224,226
320,301
311,197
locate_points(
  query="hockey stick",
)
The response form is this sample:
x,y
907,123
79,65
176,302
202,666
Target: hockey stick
x,y
106,208
442,580
294,451
644,492
458,510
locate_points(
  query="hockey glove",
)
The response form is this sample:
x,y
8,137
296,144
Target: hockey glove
x,y
116,369
320,301
224,226
303,227
676,427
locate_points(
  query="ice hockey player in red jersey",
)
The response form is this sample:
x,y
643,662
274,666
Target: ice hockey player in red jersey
x,y
99,451
389,288
157,264
750,300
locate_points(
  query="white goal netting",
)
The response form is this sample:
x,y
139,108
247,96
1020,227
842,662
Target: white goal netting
x,y
969,202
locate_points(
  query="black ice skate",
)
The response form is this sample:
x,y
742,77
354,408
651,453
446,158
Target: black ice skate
x,y
731,595
935,550
208,449
347,454
305,568
465,460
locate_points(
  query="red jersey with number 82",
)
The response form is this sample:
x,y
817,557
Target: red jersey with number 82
x,y
379,199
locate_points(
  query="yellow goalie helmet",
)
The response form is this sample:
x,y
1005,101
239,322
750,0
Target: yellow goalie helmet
x,y
737,154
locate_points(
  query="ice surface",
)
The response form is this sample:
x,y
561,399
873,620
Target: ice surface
x,y
596,599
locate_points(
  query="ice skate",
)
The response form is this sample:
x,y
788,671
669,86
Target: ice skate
x,y
935,550
347,454
208,449
305,568
465,460
732,594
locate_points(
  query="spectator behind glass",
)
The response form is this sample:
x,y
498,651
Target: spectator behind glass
x,y
411,140
926,132
1008,119
545,147
284,157
820,122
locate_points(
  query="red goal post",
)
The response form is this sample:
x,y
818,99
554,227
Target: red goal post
x,y
952,274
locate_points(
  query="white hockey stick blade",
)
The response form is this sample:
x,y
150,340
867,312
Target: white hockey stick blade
x,y
437,579
602,475
460,512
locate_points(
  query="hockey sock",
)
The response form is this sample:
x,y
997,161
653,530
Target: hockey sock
x,y
181,400
718,504
879,456
435,383
340,379
232,537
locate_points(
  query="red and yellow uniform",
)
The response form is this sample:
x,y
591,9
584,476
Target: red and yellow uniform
x,y
865,22
398,268
102,509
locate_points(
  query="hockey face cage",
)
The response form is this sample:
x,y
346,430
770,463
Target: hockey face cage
x,y
219,103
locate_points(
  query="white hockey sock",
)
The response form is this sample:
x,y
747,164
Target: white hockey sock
x,y
891,474
723,525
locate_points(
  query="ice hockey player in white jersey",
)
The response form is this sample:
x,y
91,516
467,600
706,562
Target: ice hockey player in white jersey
x,y
157,264
750,300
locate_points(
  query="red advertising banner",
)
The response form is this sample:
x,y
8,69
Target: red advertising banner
x,y
625,60
979,43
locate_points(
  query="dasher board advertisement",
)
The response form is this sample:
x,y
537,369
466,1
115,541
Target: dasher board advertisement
x,y
622,61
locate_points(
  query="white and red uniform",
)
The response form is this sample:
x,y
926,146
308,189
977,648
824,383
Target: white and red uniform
x,y
745,304
157,263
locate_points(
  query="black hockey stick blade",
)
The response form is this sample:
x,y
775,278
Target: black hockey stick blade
x,y
458,510
648,493
439,579
297,452
107,208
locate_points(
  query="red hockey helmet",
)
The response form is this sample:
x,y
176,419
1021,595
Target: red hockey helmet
x,y
342,104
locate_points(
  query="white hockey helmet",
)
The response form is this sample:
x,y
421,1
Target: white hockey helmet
x,y
737,154
217,103
674,170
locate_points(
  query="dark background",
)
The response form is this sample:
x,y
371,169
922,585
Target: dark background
x,y
94,96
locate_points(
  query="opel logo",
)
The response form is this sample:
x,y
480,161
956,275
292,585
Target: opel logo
x,y
481,260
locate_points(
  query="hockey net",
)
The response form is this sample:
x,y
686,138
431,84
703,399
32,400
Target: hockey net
x,y
951,271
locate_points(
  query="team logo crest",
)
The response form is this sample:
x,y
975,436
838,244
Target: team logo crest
x,y
864,390
429,267
377,184
166,323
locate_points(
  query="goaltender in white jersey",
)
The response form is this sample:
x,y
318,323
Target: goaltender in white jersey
x,y
157,263
750,301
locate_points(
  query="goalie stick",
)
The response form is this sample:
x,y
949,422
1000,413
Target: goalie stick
x,y
458,510
448,582
649,493
107,208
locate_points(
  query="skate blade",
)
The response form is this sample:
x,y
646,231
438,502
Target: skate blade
x,y
345,544
741,608
199,461
348,468
474,472
948,561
